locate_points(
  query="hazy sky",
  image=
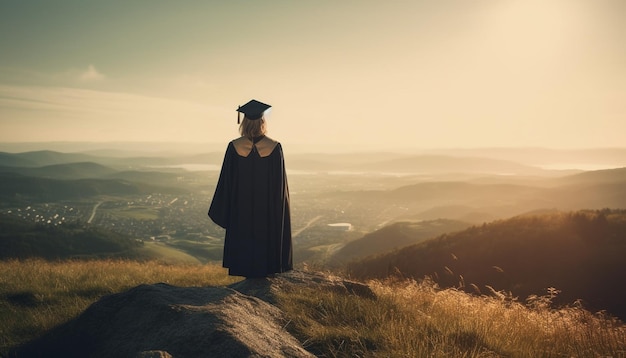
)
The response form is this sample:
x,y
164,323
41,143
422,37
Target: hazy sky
x,y
362,74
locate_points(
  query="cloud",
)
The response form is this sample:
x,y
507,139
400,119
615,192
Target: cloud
x,y
91,74
34,113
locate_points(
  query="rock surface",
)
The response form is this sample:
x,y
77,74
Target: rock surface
x,y
161,320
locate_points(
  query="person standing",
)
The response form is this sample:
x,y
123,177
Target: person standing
x,y
251,200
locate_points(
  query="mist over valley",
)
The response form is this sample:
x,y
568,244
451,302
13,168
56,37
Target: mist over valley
x,y
346,207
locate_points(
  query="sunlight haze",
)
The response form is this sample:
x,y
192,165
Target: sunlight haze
x,y
346,75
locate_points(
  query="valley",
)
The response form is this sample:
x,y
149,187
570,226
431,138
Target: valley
x,y
345,214
152,199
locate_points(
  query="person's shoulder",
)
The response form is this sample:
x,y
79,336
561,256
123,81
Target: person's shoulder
x,y
242,146
271,140
267,145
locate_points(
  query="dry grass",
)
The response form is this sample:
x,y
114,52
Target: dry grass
x,y
411,319
36,295
407,319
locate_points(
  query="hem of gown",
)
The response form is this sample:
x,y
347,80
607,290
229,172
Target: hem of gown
x,y
232,272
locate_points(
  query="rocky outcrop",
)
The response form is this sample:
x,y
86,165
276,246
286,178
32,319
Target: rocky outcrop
x,y
161,320
266,288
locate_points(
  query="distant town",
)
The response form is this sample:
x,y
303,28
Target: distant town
x,y
163,217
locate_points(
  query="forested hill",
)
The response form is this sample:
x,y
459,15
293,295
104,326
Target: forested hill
x,y
580,253
395,235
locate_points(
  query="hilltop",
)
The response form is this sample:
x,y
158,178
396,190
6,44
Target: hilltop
x,y
110,308
240,320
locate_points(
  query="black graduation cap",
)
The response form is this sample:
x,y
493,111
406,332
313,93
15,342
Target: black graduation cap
x,y
253,110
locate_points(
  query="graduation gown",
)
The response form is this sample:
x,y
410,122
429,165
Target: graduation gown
x,y
251,202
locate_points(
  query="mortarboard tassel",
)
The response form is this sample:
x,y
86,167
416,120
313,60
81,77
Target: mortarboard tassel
x,y
238,115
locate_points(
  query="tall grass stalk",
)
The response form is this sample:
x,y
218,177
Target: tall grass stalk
x,y
407,319
411,319
36,295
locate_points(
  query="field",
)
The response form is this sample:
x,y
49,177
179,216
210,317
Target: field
x,y
135,212
36,295
165,253
407,318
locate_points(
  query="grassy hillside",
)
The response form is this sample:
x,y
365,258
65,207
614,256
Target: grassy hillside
x,y
418,319
177,252
406,319
37,295
394,236
579,253
20,239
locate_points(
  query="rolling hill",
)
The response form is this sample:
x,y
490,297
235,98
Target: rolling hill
x,y
15,188
437,164
41,158
393,236
409,163
48,158
478,202
21,239
79,170
580,253
617,175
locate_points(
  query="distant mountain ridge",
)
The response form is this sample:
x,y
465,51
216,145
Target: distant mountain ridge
x,y
433,162
75,170
41,158
546,157
47,158
461,200
615,175
49,175
449,164
16,188
408,164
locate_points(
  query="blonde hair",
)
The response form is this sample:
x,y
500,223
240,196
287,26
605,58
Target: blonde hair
x,y
252,128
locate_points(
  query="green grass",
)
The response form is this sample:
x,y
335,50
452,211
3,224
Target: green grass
x,y
134,212
203,251
36,295
164,253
